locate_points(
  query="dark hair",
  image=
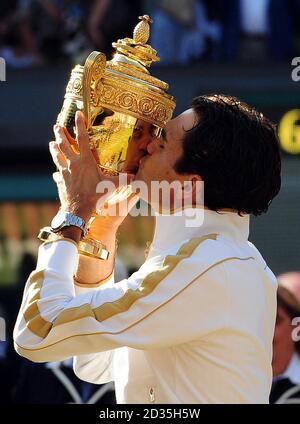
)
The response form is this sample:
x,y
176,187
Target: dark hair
x,y
235,150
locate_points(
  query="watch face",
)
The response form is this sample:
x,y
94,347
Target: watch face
x,y
58,221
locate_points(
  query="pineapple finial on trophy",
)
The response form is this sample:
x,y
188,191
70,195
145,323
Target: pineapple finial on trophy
x,y
141,32
136,48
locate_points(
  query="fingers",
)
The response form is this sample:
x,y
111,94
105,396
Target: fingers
x,y
72,141
57,177
63,143
82,135
132,201
57,156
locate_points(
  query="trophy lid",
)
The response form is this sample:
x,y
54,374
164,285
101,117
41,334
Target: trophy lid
x,y
126,84
137,48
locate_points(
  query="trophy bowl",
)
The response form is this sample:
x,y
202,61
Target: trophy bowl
x,y
115,97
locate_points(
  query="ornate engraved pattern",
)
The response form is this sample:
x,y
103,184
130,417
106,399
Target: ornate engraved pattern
x,y
94,68
74,87
99,66
137,102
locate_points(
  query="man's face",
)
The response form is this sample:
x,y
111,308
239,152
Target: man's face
x,y
143,134
163,152
283,345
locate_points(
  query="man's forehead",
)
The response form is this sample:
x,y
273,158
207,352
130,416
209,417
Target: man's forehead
x,y
188,119
182,123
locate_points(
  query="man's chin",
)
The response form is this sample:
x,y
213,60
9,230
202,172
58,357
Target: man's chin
x,y
130,169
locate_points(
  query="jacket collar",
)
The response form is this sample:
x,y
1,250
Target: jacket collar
x,y
183,225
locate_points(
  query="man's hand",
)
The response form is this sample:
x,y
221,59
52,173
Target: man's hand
x,y
111,221
78,173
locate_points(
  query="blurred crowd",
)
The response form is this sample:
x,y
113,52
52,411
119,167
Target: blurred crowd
x,y
38,32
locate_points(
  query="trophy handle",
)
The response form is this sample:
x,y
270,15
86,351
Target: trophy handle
x,y
94,68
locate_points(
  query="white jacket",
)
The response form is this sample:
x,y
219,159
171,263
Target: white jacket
x,y
193,325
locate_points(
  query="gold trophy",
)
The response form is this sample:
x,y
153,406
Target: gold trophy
x,y
114,96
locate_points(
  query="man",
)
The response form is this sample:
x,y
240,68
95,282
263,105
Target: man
x,y
286,344
195,324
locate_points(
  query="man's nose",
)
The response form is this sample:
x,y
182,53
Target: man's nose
x,y
144,143
153,146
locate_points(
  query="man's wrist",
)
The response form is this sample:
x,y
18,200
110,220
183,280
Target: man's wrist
x,y
100,226
83,213
102,232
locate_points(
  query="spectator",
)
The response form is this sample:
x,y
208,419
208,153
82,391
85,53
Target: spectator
x,y
110,20
180,33
286,350
41,27
269,23
42,31
16,45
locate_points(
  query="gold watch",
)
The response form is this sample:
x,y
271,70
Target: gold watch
x,y
88,247
93,249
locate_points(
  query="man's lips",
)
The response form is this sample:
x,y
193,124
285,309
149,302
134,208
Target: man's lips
x,y
133,167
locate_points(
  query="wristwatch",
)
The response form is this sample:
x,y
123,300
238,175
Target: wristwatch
x,y
66,219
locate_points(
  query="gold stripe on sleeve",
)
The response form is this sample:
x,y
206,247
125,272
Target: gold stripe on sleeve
x,y
32,316
41,328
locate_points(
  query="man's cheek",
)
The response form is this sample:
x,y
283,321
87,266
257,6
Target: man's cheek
x,y
282,331
276,337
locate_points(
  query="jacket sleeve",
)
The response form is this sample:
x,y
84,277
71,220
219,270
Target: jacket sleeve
x,y
95,368
154,308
